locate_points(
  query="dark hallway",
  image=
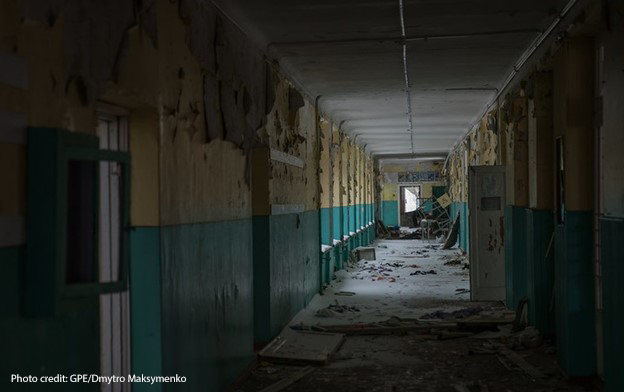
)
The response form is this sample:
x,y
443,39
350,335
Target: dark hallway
x,y
430,187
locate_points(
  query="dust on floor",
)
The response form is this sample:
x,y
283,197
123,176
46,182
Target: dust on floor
x,y
399,283
376,291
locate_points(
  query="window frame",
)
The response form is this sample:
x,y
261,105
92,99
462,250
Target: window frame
x,y
95,288
45,290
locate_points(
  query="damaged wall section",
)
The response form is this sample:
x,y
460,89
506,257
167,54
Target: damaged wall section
x,y
199,98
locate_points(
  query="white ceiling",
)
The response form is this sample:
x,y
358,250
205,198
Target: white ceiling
x,y
350,53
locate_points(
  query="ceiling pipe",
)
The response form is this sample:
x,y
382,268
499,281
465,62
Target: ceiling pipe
x,y
403,39
408,94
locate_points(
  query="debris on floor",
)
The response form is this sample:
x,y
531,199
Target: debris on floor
x,y
413,333
457,314
393,325
385,287
430,272
365,253
345,293
286,382
342,308
302,347
332,309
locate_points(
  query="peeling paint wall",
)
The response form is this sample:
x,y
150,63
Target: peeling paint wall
x,y
479,147
292,130
199,96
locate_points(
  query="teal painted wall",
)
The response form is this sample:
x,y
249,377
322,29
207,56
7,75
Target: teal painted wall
x,y
612,232
66,344
326,267
207,303
390,212
352,219
345,220
574,294
261,278
516,255
294,265
541,269
325,235
337,223
145,304
462,209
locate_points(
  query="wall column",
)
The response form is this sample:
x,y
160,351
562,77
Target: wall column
x,y
574,280
540,229
517,172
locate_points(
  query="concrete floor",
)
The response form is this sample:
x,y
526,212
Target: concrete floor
x,y
385,287
412,361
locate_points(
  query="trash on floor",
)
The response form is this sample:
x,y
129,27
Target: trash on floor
x,y
302,347
457,261
457,314
286,382
342,308
332,309
430,272
393,325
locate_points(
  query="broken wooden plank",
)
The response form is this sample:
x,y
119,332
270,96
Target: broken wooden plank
x,y
376,329
281,384
302,347
521,362
480,321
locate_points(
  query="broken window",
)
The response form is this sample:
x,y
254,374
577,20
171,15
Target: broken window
x,y
410,198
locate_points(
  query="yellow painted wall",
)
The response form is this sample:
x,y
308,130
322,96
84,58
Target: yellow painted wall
x,y
294,133
325,168
179,174
390,190
337,166
145,150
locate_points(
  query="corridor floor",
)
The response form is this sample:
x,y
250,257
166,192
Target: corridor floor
x,y
390,286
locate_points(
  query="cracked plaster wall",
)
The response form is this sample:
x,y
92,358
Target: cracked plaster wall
x,y
478,148
390,178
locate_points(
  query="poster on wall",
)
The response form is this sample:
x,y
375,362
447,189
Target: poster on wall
x,y
419,176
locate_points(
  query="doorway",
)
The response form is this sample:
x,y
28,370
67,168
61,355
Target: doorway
x,y
409,202
112,132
